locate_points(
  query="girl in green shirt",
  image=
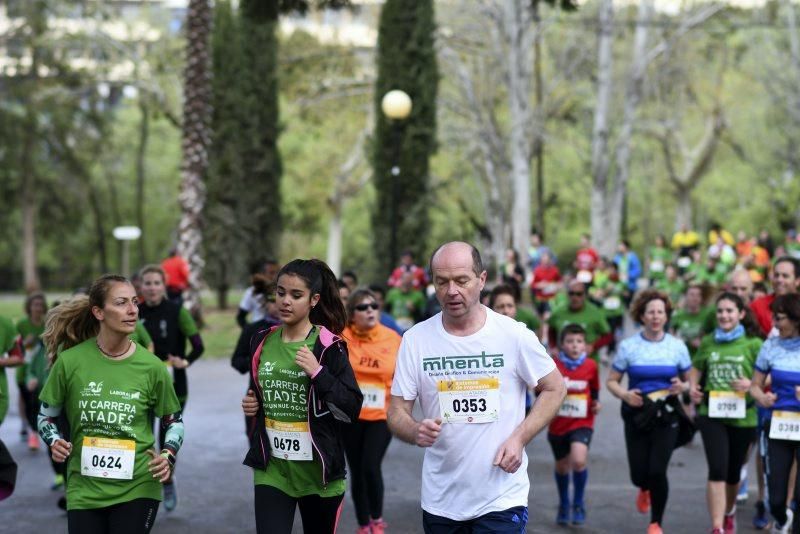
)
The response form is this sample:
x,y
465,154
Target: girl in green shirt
x,y
303,389
720,379
109,388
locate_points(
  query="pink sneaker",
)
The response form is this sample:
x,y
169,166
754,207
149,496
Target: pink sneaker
x,y
364,530
33,441
730,522
378,526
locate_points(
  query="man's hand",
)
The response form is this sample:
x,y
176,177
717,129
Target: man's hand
x,y
428,431
509,457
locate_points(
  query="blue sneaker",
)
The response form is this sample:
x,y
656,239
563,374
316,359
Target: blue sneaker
x,y
578,515
563,515
170,496
760,520
742,495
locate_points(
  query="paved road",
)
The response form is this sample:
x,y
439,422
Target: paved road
x,y
215,490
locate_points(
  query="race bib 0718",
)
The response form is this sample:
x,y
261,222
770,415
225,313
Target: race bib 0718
x,y
470,401
374,395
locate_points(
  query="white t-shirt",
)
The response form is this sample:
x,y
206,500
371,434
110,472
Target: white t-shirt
x,y
458,479
253,304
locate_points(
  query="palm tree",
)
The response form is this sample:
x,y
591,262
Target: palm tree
x,y
195,144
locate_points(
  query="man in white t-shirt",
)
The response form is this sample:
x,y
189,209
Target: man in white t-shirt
x,y
470,367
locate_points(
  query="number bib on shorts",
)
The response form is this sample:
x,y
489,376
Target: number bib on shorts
x,y
726,404
374,395
785,425
289,441
658,395
108,458
575,405
470,401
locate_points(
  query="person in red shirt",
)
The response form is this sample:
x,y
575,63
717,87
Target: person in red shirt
x,y
545,284
785,279
176,271
419,280
571,430
586,260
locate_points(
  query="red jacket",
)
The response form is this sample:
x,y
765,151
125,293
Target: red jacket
x,y
177,271
761,309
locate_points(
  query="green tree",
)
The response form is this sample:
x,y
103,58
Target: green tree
x,y
406,61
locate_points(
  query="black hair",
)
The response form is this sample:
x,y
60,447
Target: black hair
x,y
377,288
352,275
502,289
788,304
571,329
320,280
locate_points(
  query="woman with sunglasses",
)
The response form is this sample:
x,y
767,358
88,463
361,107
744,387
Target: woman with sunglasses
x,y
780,358
726,416
373,351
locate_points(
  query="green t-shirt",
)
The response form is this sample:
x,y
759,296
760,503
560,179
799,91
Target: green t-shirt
x,y
37,368
591,318
674,289
27,329
8,335
114,399
142,337
285,386
721,363
526,316
689,326
659,259
186,323
398,303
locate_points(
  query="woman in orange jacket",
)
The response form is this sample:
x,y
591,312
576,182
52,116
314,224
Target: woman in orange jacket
x,y
373,350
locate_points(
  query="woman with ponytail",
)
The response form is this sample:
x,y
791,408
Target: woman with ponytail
x,y
304,389
109,388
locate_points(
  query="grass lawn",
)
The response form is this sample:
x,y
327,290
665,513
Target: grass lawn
x,y
219,334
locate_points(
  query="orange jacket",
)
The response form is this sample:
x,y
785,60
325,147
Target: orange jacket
x,y
373,354
177,271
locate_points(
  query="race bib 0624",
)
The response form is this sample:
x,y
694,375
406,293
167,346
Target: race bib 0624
x,y
470,401
108,458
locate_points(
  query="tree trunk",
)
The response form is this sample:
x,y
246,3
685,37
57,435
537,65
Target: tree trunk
x,y
518,32
195,143
601,131
334,256
141,153
683,211
540,113
29,260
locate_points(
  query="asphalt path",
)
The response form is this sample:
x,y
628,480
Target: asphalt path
x,y
216,491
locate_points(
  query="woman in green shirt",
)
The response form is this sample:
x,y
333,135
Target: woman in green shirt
x,y
30,330
303,389
726,416
109,388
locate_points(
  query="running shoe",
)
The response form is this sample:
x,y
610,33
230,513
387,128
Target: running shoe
x,y
378,526
643,502
170,496
33,441
786,528
742,495
62,503
58,482
730,522
654,528
578,515
563,515
717,531
364,530
760,520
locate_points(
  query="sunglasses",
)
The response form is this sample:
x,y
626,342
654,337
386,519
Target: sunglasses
x,y
365,307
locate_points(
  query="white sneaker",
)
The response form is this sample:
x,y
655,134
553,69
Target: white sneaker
x,y
786,527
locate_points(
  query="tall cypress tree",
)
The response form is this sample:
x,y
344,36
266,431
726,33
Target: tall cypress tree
x,y
406,61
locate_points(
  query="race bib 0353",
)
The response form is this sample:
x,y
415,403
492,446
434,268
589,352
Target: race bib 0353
x,y
470,401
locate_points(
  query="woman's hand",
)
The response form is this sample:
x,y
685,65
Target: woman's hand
x,y
768,400
741,384
159,466
250,404
678,386
60,450
306,360
177,362
696,394
633,398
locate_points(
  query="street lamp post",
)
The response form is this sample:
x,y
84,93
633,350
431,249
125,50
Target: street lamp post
x,y
126,234
396,106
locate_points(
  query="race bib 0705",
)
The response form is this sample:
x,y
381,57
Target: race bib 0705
x,y
374,395
470,401
726,404
785,425
289,441
575,405
108,458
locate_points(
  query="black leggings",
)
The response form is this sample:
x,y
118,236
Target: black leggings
x,y
726,448
275,512
365,443
132,517
648,459
779,457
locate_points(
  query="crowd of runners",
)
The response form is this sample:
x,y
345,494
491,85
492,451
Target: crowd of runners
x,y
335,369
